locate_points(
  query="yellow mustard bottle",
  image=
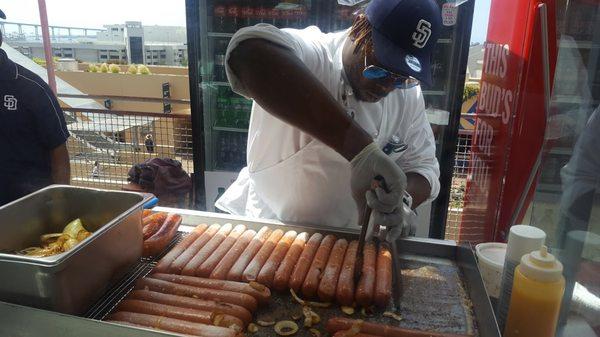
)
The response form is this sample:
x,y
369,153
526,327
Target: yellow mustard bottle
x,y
537,292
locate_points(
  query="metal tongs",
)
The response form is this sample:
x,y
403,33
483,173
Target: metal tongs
x,y
396,274
396,265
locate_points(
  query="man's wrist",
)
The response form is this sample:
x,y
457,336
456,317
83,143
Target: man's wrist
x,y
355,140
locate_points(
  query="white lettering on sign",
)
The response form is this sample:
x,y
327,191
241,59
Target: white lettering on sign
x,y
483,138
494,100
495,104
479,177
496,59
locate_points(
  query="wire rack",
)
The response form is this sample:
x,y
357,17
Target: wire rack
x,y
462,163
105,144
116,293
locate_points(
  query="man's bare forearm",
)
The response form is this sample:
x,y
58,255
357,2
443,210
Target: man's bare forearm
x,y
418,187
280,83
60,165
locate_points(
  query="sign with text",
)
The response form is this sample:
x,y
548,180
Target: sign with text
x,y
509,127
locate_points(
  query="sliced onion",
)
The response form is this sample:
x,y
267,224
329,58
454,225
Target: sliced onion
x,y
235,327
307,312
252,328
286,328
266,322
295,296
29,251
315,317
82,235
51,236
319,304
315,332
309,303
393,315
347,310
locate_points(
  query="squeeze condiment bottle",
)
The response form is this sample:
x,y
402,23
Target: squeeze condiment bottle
x,y
522,239
536,296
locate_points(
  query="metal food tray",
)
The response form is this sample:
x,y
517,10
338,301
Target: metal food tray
x,y
68,282
449,260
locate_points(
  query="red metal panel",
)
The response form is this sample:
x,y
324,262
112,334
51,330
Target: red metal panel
x,y
510,117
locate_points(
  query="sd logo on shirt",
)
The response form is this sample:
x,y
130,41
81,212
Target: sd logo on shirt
x,y
10,102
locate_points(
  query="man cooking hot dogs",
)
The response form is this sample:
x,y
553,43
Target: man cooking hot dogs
x,y
332,112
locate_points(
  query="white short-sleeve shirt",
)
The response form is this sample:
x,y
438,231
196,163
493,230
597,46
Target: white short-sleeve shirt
x,y
399,118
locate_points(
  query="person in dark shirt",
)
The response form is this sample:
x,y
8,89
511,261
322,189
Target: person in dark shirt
x,y
33,133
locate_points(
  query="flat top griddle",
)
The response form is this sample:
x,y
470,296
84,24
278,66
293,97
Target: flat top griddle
x,y
434,304
443,292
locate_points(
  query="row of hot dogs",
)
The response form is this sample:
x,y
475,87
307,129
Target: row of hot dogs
x,y
198,288
316,265
191,305
209,308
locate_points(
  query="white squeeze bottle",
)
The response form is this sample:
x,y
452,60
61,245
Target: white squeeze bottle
x,y
536,296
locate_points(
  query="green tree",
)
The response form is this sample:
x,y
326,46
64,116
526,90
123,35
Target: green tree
x,y
470,90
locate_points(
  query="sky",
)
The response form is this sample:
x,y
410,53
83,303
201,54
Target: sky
x,y
95,14
480,20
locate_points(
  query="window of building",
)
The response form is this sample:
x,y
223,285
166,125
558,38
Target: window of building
x,y
114,57
103,57
137,49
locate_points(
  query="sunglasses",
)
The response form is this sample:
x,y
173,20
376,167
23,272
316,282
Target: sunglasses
x,y
373,72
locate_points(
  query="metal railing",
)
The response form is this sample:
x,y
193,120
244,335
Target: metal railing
x,y
33,31
105,144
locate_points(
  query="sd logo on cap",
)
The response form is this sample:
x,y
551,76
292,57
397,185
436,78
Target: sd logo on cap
x,y
404,35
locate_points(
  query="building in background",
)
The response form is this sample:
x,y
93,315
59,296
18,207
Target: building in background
x,y
475,63
109,114
126,43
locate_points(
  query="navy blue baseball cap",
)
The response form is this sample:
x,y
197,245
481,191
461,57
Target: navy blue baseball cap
x,y
404,35
2,16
